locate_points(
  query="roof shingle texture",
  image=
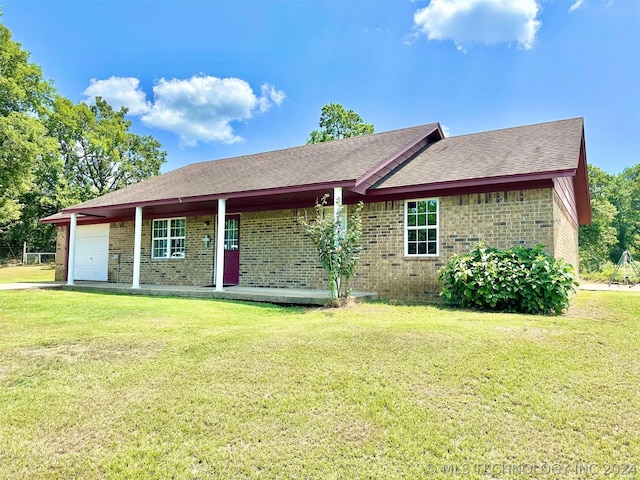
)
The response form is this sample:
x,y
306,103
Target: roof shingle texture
x,y
336,161
540,148
531,149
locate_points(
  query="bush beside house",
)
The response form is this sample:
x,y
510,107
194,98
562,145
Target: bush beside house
x,y
520,279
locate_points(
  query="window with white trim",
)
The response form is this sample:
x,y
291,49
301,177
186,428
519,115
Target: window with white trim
x,y
168,238
421,227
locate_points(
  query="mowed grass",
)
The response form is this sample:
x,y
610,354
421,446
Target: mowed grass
x,y
27,273
108,386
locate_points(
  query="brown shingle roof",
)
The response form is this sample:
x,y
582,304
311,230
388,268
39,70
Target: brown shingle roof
x,y
336,161
547,149
531,149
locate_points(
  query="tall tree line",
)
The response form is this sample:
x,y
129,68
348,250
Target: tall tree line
x,y
54,153
615,226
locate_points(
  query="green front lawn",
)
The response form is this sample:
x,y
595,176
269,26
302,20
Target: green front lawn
x,y
107,386
27,273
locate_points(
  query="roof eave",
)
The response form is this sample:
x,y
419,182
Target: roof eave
x,y
349,184
581,186
52,221
473,182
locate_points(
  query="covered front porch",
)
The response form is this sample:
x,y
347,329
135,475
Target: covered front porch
x,y
175,243
287,296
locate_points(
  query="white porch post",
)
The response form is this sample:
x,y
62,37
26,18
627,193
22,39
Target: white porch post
x,y
222,212
337,218
72,248
137,248
337,203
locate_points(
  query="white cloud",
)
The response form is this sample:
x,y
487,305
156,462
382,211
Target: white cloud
x,y
198,109
576,5
445,130
120,92
268,96
410,38
480,21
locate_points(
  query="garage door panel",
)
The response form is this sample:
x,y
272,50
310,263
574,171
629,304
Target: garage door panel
x,y
92,252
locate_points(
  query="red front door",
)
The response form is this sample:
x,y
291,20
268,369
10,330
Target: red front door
x,y
232,250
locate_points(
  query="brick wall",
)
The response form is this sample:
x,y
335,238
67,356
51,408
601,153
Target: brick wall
x,y
499,219
61,253
196,268
275,252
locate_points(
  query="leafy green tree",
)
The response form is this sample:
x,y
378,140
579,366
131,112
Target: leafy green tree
x,y
626,198
338,250
99,153
22,86
24,95
22,141
337,123
598,238
92,153
49,194
54,154
615,227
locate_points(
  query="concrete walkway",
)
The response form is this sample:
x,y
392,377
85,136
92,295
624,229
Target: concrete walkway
x,y
603,287
289,296
28,285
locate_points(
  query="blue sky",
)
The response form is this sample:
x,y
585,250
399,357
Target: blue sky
x,y
215,79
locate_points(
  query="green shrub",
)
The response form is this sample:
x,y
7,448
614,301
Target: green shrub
x,y
521,279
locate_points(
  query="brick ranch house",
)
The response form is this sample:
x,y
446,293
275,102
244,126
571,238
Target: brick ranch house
x,y
233,221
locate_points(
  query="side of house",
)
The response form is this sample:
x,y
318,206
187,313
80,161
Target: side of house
x,y
426,198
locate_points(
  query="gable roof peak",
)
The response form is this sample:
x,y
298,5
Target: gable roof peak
x,y
427,127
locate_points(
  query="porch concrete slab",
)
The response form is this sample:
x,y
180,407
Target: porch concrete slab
x,y
289,296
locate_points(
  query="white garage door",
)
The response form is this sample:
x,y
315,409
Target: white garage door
x,y
92,252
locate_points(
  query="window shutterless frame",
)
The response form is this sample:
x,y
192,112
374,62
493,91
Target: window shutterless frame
x,y
168,238
421,227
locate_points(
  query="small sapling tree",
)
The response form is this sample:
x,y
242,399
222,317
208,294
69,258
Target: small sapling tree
x,y
338,247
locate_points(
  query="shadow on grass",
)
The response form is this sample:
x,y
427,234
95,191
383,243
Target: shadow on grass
x,y
288,309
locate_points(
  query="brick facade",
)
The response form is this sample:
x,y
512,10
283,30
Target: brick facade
x,y
61,253
196,268
273,246
499,219
274,251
